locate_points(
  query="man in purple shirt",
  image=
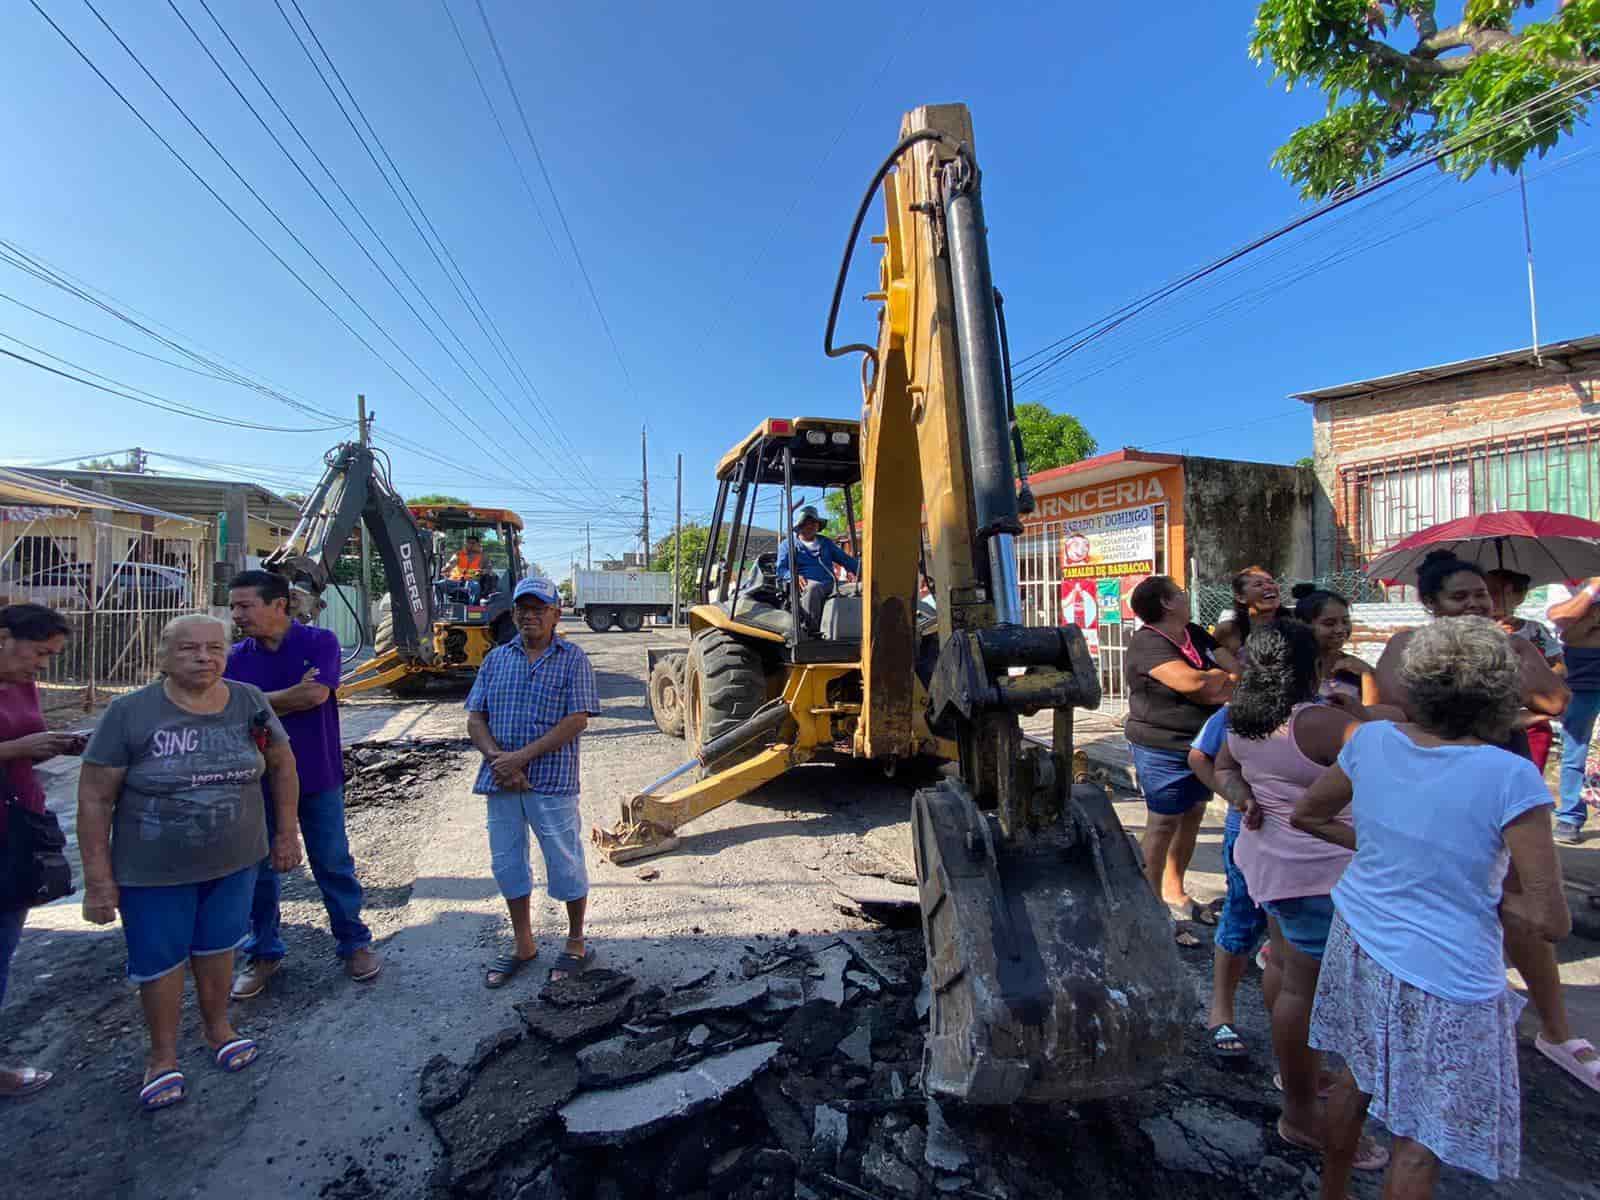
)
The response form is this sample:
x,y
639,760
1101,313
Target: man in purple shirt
x,y
297,666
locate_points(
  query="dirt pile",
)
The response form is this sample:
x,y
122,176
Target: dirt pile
x,y
799,1076
376,772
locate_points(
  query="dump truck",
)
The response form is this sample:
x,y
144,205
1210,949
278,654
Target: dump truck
x,y
622,600
1053,969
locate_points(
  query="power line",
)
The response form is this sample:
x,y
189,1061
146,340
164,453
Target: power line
x,y
343,224
502,347
240,219
1069,344
31,264
555,199
126,392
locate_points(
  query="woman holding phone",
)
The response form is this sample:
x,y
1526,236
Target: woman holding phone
x,y
30,636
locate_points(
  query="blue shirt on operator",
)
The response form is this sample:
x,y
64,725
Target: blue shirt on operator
x,y
816,564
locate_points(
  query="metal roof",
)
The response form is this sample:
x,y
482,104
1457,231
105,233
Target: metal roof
x,y
1552,354
20,488
190,496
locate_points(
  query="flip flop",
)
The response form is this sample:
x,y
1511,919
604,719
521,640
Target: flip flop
x,y
1565,1056
505,966
1186,939
1224,1033
238,1054
31,1079
165,1090
1369,1155
571,964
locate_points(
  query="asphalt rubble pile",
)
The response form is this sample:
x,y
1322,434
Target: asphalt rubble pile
x,y
377,772
800,1076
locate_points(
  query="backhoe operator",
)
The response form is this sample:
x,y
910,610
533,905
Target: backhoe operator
x,y
468,566
817,556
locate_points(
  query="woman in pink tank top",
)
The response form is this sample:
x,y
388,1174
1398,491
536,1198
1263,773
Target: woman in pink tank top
x,y
1282,738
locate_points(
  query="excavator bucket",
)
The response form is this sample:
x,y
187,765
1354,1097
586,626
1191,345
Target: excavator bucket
x,y
1053,969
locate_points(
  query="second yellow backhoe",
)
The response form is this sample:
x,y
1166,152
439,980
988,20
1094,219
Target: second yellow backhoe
x,y
1054,973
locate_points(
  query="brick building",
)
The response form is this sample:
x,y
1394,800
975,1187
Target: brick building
x,y
1518,430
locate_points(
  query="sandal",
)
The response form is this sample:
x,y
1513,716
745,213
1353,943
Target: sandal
x,y
1226,1043
1186,939
504,967
29,1081
1565,1056
1369,1155
238,1054
165,1090
571,964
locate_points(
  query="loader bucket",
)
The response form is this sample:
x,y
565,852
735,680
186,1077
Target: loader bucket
x,y
1053,968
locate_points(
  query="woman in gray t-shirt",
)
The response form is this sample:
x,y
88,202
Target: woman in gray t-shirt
x,y
172,825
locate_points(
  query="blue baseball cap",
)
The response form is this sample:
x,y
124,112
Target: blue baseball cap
x,y
540,589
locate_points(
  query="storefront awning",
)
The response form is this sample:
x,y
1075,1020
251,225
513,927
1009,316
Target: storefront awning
x,y
24,491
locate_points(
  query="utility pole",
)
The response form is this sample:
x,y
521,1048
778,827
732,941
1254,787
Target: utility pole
x,y
644,475
1527,241
677,545
364,590
588,547
138,459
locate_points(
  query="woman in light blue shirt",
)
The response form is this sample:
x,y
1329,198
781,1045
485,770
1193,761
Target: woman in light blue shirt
x,y
1413,991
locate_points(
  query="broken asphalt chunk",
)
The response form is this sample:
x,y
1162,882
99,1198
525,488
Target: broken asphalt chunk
x,y
566,1025
442,1084
858,1046
830,1129
589,987
833,962
943,1151
618,1116
510,1097
815,1029
743,995
622,1060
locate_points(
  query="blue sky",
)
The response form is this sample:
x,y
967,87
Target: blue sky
x,y
707,159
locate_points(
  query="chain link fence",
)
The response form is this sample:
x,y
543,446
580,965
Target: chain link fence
x,y
1213,601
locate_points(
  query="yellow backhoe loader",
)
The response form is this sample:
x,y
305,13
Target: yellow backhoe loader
x,y
1054,973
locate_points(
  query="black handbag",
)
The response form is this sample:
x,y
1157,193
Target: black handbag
x,y
33,857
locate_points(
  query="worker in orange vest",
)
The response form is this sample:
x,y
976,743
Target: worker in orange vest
x,y
468,564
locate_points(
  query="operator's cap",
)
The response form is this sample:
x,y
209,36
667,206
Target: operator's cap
x,y
809,513
538,587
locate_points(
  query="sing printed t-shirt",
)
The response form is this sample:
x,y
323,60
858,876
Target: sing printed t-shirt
x,y
191,807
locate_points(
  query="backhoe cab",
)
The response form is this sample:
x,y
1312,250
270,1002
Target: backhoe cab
x,y
757,691
471,614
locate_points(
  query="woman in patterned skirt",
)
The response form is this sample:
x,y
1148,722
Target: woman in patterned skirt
x,y
1413,992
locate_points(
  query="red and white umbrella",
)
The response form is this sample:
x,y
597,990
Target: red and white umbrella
x,y
1547,547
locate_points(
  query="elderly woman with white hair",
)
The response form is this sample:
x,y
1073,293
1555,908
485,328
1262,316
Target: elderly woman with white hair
x,y
172,822
1413,990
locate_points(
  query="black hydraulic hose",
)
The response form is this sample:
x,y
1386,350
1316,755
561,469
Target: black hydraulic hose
x,y
1025,502
888,164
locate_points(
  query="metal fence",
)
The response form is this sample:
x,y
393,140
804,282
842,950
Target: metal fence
x,y
116,584
1211,601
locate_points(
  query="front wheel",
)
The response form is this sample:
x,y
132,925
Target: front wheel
x,y
666,695
597,620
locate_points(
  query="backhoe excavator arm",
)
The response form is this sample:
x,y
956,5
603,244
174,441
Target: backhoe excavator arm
x,y
1053,968
355,488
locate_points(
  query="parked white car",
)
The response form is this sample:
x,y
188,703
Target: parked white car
x,y
71,585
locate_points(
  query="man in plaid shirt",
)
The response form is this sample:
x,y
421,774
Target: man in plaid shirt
x,y
530,701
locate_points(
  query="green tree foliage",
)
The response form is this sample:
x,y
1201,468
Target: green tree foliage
x,y
687,573
1052,439
110,464
1399,82
1049,439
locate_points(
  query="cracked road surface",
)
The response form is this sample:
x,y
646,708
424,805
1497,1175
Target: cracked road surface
x,y
330,1109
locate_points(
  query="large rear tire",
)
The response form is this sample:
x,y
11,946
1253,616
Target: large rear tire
x,y
596,619
666,695
631,620
724,684
383,636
